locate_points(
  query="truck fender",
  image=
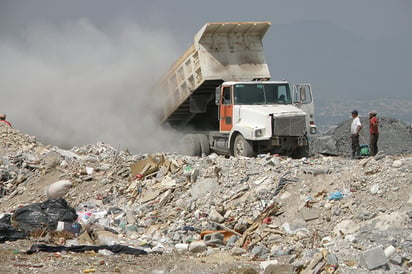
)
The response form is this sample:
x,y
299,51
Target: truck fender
x,y
245,132
232,136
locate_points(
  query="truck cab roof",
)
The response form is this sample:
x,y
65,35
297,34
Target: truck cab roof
x,y
254,82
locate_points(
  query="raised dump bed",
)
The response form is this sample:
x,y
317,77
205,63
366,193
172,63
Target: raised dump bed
x,y
220,52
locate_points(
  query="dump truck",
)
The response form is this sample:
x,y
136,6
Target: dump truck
x,y
220,94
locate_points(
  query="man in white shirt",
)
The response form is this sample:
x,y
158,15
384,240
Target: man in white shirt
x,y
355,128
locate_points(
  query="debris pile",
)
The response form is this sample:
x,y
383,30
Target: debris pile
x,y
316,215
395,137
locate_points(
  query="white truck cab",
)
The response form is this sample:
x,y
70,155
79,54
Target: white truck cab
x,y
262,116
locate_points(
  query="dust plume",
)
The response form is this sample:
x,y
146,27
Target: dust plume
x,y
75,84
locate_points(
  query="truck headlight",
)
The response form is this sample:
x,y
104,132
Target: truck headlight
x,y
313,130
258,133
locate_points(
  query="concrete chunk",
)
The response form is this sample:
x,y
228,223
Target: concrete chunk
x,y
373,258
197,247
237,251
396,259
213,239
309,213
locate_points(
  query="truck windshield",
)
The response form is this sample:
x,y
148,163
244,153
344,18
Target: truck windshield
x,y
262,94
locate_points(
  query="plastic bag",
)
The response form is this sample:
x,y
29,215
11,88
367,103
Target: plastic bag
x,y
9,233
44,215
364,150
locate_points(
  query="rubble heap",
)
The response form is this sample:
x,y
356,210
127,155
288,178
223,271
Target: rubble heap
x,y
316,215
395,137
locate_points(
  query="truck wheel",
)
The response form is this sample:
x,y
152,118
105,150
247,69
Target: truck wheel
x,y
191,145
204,144
301,152
242,147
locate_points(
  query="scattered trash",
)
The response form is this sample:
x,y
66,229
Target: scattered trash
x,y
117,249
266,209
364,150
9,233
375,189
335,196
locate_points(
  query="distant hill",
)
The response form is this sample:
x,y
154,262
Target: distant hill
x,y
395,137
330,112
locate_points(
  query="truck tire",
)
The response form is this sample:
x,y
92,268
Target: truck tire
x,y
191,145
300,152
204,144
242,147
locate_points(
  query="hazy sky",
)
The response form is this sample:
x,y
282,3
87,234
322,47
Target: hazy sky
x,y
76,72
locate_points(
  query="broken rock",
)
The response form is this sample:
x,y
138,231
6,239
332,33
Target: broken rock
x,y
197,247
373,258
58,189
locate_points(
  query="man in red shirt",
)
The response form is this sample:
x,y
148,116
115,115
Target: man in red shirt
x,y
3,119
374,133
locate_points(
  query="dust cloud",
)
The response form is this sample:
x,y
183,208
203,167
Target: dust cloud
x,y
75,84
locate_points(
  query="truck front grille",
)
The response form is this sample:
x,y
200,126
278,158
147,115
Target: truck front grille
x,y
289,126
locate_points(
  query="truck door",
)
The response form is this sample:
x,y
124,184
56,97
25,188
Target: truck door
x,y
226,109
303,99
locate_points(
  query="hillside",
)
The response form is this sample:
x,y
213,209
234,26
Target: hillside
x,y
395,138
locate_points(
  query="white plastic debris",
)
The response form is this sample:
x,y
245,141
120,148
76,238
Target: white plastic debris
x,y
58,189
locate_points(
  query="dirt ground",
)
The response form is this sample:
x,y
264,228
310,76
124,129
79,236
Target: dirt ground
x,y
15,260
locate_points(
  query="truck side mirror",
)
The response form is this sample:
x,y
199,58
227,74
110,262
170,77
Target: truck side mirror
x,y
217,94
